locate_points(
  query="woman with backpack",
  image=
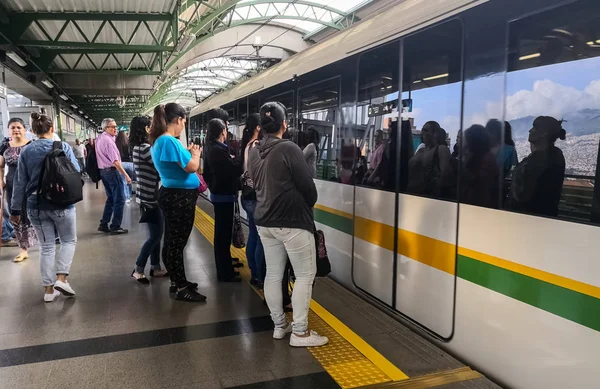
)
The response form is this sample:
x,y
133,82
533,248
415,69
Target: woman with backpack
x,y
9,156
254,249
46,217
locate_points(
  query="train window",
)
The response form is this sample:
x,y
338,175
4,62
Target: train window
x,y
552,107
431,110
318,107
378,84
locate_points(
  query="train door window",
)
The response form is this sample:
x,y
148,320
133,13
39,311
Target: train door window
x,y
378,83
318,107
253,104
552,107
431,111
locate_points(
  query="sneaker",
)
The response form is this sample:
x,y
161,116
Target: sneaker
x,y
159,273
190,295
280,333
313,340
191,285
103,228
9,243
118,231
49,297
140,277
64,288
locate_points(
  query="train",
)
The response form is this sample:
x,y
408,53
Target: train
x,y
513,293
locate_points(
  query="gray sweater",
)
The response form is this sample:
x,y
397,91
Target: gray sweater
x,y
285,191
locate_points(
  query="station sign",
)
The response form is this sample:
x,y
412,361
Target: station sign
x,y
389,107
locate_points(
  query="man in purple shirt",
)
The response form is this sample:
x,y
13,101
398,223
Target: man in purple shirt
x,y
109,163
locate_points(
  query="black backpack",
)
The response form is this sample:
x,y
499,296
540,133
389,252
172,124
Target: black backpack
x,y
60,182
91,166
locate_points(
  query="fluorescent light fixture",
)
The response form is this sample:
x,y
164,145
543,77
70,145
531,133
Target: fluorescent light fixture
x,y
530,56
389,87
598,41
15,57
48,83
73,106
87,117
81,112
590,43
436,77
64,97
418,82
184,42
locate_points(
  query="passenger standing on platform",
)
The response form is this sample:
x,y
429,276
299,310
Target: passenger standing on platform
x,y
111,169
9,156
147,194
122,142
177,198
222,174
286,194
254,248
48,220
80,153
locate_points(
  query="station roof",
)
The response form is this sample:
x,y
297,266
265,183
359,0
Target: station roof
x,y
85,53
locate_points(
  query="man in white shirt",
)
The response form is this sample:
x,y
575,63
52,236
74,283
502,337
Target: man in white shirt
x,y
79,151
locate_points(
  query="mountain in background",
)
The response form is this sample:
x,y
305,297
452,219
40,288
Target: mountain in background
x,y
584,122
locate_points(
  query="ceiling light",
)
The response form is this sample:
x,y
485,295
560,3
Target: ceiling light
x,y
435,77
590,43
48,83
530,56
73,106
418,81
598,41
184,42
64,97
15,57
81,112
389,87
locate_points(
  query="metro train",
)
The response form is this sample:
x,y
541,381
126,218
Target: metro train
x,y
514,294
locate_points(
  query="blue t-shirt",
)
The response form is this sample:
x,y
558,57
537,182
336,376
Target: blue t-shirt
x,y
170,159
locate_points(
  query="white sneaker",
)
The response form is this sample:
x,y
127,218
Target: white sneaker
x,y
64,288
49,297
313,340
280,333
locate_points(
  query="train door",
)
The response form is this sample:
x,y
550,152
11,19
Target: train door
x,y
406,212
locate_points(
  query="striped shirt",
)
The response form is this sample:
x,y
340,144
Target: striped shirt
x,y
147,176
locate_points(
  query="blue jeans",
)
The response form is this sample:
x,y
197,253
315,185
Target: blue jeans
x,y
128,166
7,229
115,198
151,248
46,224
255,252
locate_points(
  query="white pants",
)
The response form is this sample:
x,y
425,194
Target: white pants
x,y
299,246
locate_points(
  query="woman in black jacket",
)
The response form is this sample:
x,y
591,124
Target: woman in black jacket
x,y
222,173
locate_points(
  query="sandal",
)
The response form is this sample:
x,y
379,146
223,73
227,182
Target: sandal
x,y
20,258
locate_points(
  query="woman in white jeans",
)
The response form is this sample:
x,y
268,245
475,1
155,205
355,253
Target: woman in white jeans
x,y
285,194
47,220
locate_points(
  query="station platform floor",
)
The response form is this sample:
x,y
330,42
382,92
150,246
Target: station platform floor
x,y
117,333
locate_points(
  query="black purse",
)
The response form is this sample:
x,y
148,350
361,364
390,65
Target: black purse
x,y
149,215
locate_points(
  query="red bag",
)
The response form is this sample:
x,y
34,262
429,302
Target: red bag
x,y
203,186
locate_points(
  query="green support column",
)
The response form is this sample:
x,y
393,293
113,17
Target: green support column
x,y
56,107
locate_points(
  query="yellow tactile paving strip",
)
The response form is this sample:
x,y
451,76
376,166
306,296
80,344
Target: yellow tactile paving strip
x,y
349,360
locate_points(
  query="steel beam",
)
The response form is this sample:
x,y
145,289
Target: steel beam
x,y
97,47
110,72
154,17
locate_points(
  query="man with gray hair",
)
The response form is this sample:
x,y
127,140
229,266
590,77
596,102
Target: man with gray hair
x,y
109,164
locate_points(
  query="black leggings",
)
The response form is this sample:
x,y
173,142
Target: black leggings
x,y
222,240
178,206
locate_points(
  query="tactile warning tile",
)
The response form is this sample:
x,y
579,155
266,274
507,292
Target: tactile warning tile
x,y
344,363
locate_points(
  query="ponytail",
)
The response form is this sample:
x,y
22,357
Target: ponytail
x,y
163,116
40,124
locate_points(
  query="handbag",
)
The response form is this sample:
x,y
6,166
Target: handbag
x,y
237,238
203,186
149,215
323,264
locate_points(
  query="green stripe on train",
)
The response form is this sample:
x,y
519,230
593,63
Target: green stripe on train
x,y
566,303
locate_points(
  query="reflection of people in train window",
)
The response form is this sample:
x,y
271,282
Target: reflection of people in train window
x,y
377,155
429,169
479,174
504,152
311,150
348,158
537,181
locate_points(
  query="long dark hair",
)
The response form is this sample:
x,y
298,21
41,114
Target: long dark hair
x,y
122,143
163,115
314,137
40,124
252,121
137,130
508,139
272,116
478,145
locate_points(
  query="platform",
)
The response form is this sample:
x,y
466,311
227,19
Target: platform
x,y
120,334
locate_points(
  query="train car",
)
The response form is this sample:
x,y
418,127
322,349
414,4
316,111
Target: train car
x,y
511,290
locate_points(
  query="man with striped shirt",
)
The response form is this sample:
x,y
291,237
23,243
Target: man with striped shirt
x,y
147,195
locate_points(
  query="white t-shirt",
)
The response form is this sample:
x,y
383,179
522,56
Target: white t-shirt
x,y
79,151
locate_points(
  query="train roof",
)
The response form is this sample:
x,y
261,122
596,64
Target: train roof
x,y
399,20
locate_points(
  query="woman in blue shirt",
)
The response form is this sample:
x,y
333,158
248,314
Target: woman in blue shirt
x,y
47,219
177,198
